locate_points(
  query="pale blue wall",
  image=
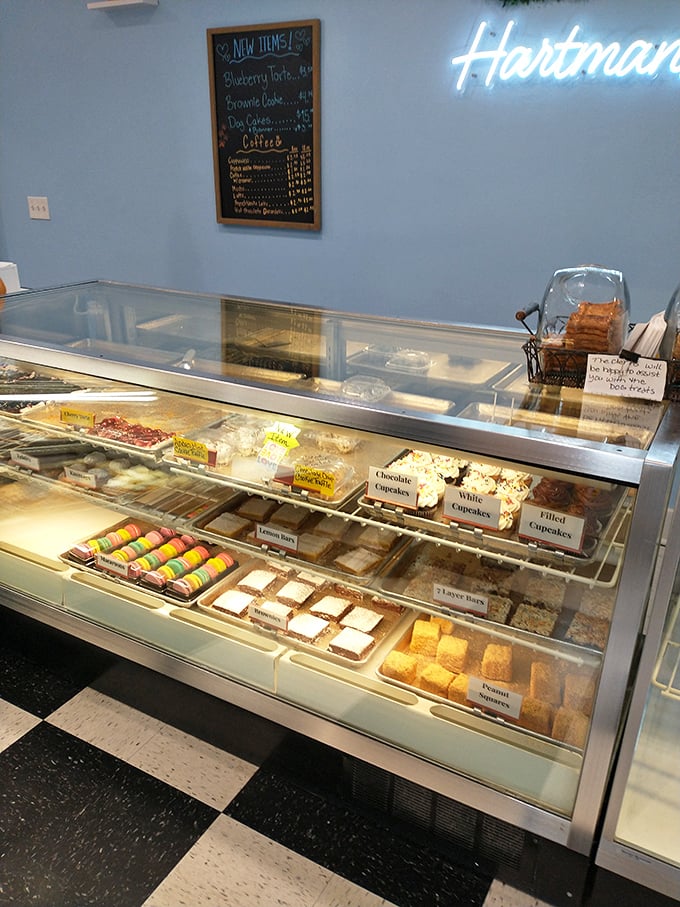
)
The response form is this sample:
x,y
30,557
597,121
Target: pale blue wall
x,y
434,206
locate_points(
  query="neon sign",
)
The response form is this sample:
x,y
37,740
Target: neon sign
x,y
563,60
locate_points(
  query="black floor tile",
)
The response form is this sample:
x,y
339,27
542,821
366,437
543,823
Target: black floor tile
x,y
41,668
366,850
80,828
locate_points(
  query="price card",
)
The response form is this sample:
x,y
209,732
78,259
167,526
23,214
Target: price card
x,y
559,530
392,487
616,377
80,477
25,460
320,481
112,565
186,449
76,417
271,535
459,599
271,614
493,698
463,506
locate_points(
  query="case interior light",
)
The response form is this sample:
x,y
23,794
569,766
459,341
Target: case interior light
x,y
562,60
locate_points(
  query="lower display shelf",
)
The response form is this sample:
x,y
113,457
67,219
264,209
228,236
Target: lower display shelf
x,y
230,651
489,751
539,772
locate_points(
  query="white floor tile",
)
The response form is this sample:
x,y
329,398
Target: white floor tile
x,y
501,895
233,866
14,723
203,771
341,893
104,722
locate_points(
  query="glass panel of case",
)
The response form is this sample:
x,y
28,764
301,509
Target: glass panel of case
x,y
429,370
455,606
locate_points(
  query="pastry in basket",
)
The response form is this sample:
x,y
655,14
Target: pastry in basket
x,y
544,683
452,653
579,692
358,561
458,689
331,607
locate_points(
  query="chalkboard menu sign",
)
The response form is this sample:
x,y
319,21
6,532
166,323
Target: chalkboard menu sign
x,y
264,91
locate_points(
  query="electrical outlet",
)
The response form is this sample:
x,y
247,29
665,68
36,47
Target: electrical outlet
x,y
38,208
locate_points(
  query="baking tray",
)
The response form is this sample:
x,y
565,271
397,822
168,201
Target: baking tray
x,y
118,573
340,546
24,385
523,654
392,613
412,575
354,453
502,541
179,418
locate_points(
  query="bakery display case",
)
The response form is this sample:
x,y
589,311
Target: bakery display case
x,y
641,832
373,531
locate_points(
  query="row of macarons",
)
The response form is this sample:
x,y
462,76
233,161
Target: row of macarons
x,y
160,557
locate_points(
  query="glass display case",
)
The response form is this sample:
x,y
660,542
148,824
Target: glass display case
x,y
641,835
373,531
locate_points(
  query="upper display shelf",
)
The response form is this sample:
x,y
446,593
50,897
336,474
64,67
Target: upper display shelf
x,y
418,369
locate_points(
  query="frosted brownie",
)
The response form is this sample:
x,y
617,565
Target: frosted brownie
x,y
351,644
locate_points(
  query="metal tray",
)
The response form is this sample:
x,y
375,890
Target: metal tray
x,y
445,369
164,593
340,547
248,471
413,574
522,657
393,614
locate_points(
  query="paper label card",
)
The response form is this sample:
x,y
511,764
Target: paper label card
x,y
76,417
80,477
269,535
493,698
463,506
392,487
616,377
186,449
559,530
112,565
459,599
263,615
25,460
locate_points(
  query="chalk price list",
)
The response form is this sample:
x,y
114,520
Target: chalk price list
x,y
299,175
269,121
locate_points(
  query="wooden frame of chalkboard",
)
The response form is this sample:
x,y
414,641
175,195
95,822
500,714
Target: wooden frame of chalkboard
x,y
265,102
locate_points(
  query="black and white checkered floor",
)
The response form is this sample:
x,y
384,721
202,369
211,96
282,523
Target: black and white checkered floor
x,y
107,798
